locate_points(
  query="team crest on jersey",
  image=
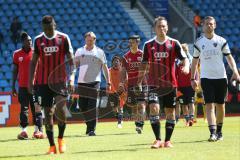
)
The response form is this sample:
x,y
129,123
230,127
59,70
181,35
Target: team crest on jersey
x,y
20,59
169,46
215,44
203,46
139,58
59,41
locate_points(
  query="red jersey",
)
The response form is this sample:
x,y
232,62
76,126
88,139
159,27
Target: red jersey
x,y
161,59
22,60
132,61
183,80
52,52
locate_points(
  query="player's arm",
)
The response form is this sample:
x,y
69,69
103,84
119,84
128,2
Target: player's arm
x,y
233,66
14,79
70,61
194,67
105,69
106,73
32,69
144,66
231,62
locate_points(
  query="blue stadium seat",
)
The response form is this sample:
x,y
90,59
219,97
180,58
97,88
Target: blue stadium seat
x,y
4,83
7,89
8,75
115,36
2,61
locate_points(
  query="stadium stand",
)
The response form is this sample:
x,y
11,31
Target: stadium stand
x,y
106,18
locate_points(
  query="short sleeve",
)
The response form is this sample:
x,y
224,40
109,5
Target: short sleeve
x,y
145,53
179,51
225,48
68,45
15,58
35,47
196,51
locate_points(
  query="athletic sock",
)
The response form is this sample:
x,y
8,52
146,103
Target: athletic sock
x,y
186,117
50,135
156,126
39,121
219,127
169,126
61,129
212,129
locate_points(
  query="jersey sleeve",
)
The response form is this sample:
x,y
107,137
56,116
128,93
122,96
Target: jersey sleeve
x,y
103,56
225,48
35,47
179,51
145,53
15,58
196,51
68,45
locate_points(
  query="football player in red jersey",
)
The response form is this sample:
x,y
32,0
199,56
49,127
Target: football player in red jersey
x,y
131,61
51,48
159,56
184,86
21,61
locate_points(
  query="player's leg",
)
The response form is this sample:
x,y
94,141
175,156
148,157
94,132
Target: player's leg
x,y
169,104
37,116
60,114
208,93
221,93
153,101
141,107
83,105
114,103
24,103
185,114
178,110
46,101
190,101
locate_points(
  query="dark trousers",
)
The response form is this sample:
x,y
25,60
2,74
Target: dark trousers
x,y
88,94
25,99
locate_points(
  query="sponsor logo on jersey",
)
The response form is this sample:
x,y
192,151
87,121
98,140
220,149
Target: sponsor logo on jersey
x,y
159,55
50,50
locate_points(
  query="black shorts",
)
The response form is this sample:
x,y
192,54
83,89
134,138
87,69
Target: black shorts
x,y
168,100
188,95
133,98
113,100
45,94
24,97
214,90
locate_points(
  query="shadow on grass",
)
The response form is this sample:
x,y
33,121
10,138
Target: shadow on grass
x,y
111,150
19,156
198,141
98,135
15,139
143,144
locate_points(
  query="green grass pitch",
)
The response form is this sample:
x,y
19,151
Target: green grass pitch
x,y
111,143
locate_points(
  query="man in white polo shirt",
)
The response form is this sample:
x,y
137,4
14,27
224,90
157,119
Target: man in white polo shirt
x,y
210,49
90,60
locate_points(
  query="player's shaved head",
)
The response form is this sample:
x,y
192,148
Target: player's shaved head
x,y
47,19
